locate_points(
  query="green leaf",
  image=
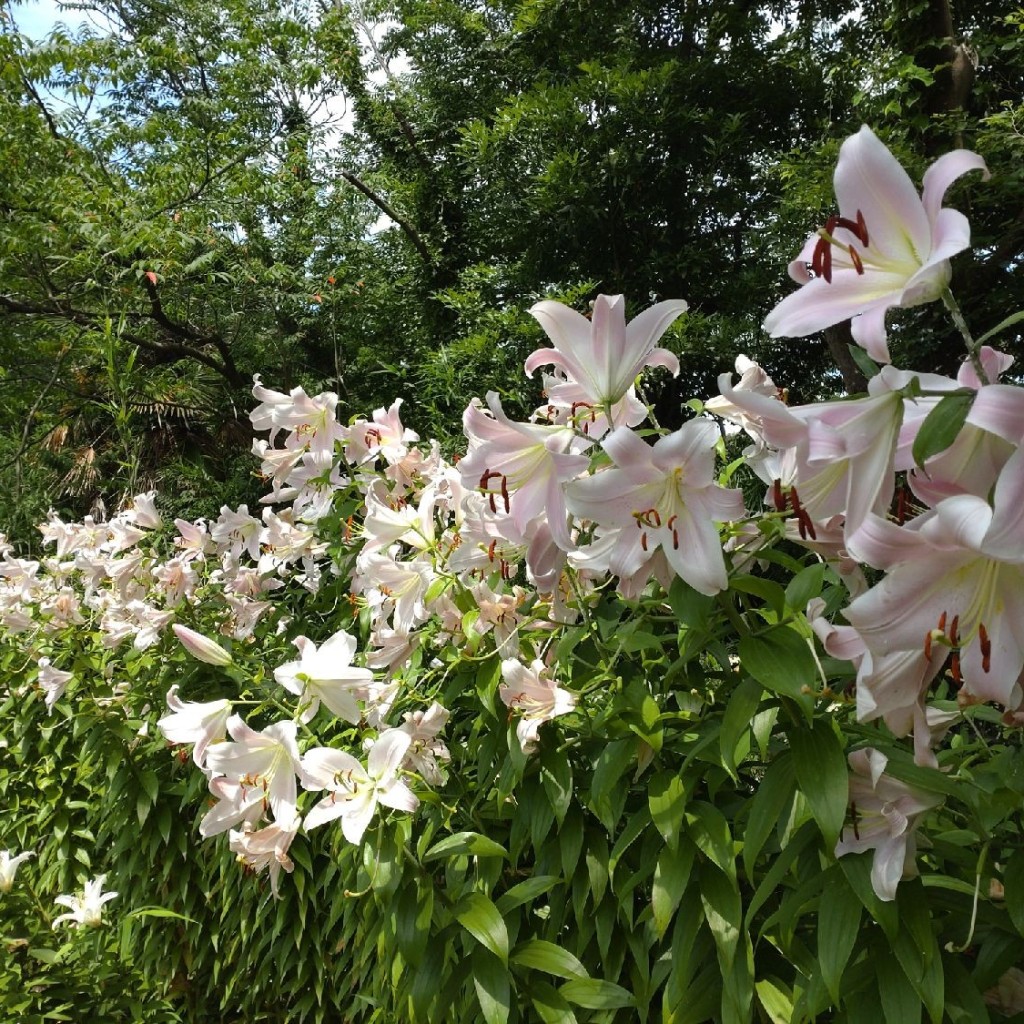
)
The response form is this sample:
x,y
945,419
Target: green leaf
x,y
942,425
596,995
821,773
769,591
551,1007
857,868
480,917
525,892
839,913
606,795
1013,883
780,660
413,916
1013,318
775,1000
463,844
805,586
159,912
671,876
666,797
964,1003
493,991
709,829
542,955
864,362
770,800
556,777
739,712
900,1003
724,912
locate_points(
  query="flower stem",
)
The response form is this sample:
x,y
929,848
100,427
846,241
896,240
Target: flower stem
x,y
965,331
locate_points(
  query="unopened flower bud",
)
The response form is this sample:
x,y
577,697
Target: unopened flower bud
x,y
201,647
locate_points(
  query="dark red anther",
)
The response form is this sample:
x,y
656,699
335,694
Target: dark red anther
x,y
856,228
778,498
504,493
954,632
488,476
942,623
858,265
821,262
986,647
954,668
675,540
928,645
490,549
901,506
643,541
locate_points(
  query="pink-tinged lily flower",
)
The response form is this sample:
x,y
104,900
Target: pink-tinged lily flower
x,y
189,722
954,581
664,497
265,849
532,692
53,682
9,867
426,749
887,247
355,791
971,464
202,648
884,814
604,355
235,802
521,467
86,907
266,761
325,675
753,381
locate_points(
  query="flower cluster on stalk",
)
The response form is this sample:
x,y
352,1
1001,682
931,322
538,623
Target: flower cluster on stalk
x,y
521,535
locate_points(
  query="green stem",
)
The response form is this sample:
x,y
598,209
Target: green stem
x,y
961,324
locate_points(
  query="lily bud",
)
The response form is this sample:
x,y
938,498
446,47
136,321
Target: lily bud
x,y
201,647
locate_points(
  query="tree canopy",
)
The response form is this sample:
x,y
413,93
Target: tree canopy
x,y
369,196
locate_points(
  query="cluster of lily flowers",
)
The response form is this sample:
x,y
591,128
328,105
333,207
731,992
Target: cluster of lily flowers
x,y
85,908
520,535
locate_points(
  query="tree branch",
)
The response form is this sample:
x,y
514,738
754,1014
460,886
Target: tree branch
x,y
385,207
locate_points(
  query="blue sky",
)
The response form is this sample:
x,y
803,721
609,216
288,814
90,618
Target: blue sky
x,y
37,17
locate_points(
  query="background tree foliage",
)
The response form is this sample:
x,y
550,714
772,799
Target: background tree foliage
x,y
369,196
195,193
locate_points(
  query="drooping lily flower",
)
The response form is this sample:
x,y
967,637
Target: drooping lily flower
x,y
535,695
9,867
887,247
198,723
521,467
604,355
264,762
265,849
884,813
